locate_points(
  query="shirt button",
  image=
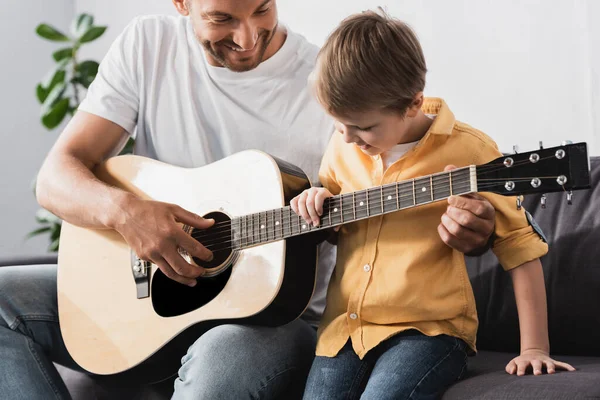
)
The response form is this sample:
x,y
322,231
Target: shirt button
x,y
353,316
367,267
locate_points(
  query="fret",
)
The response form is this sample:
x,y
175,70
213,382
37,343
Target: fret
x,y
414,190
246,233
334,210
381,197
389,203
269,227
301,224
261,227
368,207
326,217
440,183
422,191
373,196
461,182
342,208
255,231
278,224
362,210
287,226
431,186
249,237
450,180
354,206
397,196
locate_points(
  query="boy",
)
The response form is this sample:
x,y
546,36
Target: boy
x,y
400,317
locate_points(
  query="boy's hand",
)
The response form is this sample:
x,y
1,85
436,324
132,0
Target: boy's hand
x,y
309,204
468,223
536,359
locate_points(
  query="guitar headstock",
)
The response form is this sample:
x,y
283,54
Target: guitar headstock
x,y
555,169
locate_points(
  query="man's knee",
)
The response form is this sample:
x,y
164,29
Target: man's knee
x,y
235,361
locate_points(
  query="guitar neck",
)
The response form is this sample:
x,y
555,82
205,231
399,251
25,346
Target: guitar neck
x,y
282,223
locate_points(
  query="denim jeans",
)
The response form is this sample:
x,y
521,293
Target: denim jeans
x,y
409,365
227,362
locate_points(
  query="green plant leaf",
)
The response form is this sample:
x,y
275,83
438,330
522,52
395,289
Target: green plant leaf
x,y
62,54
48,32
86,72
128,149
41,93
56,74
54,245
92,33
56,115
38,231
81,24
55,95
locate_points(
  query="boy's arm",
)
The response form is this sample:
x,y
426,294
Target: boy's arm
x,y
530,294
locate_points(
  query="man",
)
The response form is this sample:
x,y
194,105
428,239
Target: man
x,y
194,90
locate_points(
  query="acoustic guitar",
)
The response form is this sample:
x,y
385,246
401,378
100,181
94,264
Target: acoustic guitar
x,y
122,314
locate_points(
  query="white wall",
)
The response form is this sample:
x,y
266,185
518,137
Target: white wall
x,y
25,59
520,70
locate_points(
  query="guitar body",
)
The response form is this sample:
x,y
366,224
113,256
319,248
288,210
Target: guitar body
x,y
111,325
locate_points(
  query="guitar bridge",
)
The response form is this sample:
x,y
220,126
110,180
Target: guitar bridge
x,y
141,275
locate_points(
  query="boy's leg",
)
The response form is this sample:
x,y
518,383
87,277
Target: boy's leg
x,y
248,362
414,366
341,377
30,338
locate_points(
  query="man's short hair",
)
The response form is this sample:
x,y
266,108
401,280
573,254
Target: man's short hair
x,y
371,61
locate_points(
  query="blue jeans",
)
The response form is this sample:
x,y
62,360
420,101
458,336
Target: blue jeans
x,y
227,362
409,365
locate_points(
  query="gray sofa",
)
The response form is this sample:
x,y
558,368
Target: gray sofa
x,y
572,273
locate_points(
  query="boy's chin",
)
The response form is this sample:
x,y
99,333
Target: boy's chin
x,y
370,150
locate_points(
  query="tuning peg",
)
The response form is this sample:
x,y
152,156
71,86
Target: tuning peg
x,y
570,197
543,200
515,149
519,205
566,142
541,145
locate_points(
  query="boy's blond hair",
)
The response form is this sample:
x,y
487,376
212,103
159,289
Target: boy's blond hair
x,y
371,61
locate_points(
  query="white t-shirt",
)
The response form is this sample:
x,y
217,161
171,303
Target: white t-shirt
x,y
392,155
155,81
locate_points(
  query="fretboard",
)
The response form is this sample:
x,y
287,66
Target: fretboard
x,y
282,223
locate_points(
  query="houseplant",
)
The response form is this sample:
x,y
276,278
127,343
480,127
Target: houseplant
x,y
61,91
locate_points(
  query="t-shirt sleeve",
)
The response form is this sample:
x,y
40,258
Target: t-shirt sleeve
x,y
327,175
114,93
516,241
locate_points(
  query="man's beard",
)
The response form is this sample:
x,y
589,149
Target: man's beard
x,y
263,42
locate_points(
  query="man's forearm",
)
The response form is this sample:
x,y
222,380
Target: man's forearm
x,y
67,188
530,294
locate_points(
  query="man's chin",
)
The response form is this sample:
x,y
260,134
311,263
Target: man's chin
x,y
242,65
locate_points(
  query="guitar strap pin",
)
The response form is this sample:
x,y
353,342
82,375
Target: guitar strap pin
x,y
543,200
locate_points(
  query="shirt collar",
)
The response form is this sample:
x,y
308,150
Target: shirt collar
x,y
443,124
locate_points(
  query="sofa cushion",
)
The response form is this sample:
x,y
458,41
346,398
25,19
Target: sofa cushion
x,y
572,275
487,380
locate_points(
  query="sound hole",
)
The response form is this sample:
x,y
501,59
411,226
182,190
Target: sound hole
x,y
170,298
218,240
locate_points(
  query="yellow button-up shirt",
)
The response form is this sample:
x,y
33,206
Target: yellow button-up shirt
x,y
393,272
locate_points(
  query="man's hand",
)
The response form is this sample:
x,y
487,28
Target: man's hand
x,y
153,230
467,223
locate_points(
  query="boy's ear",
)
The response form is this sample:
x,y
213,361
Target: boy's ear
x,y
416,105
